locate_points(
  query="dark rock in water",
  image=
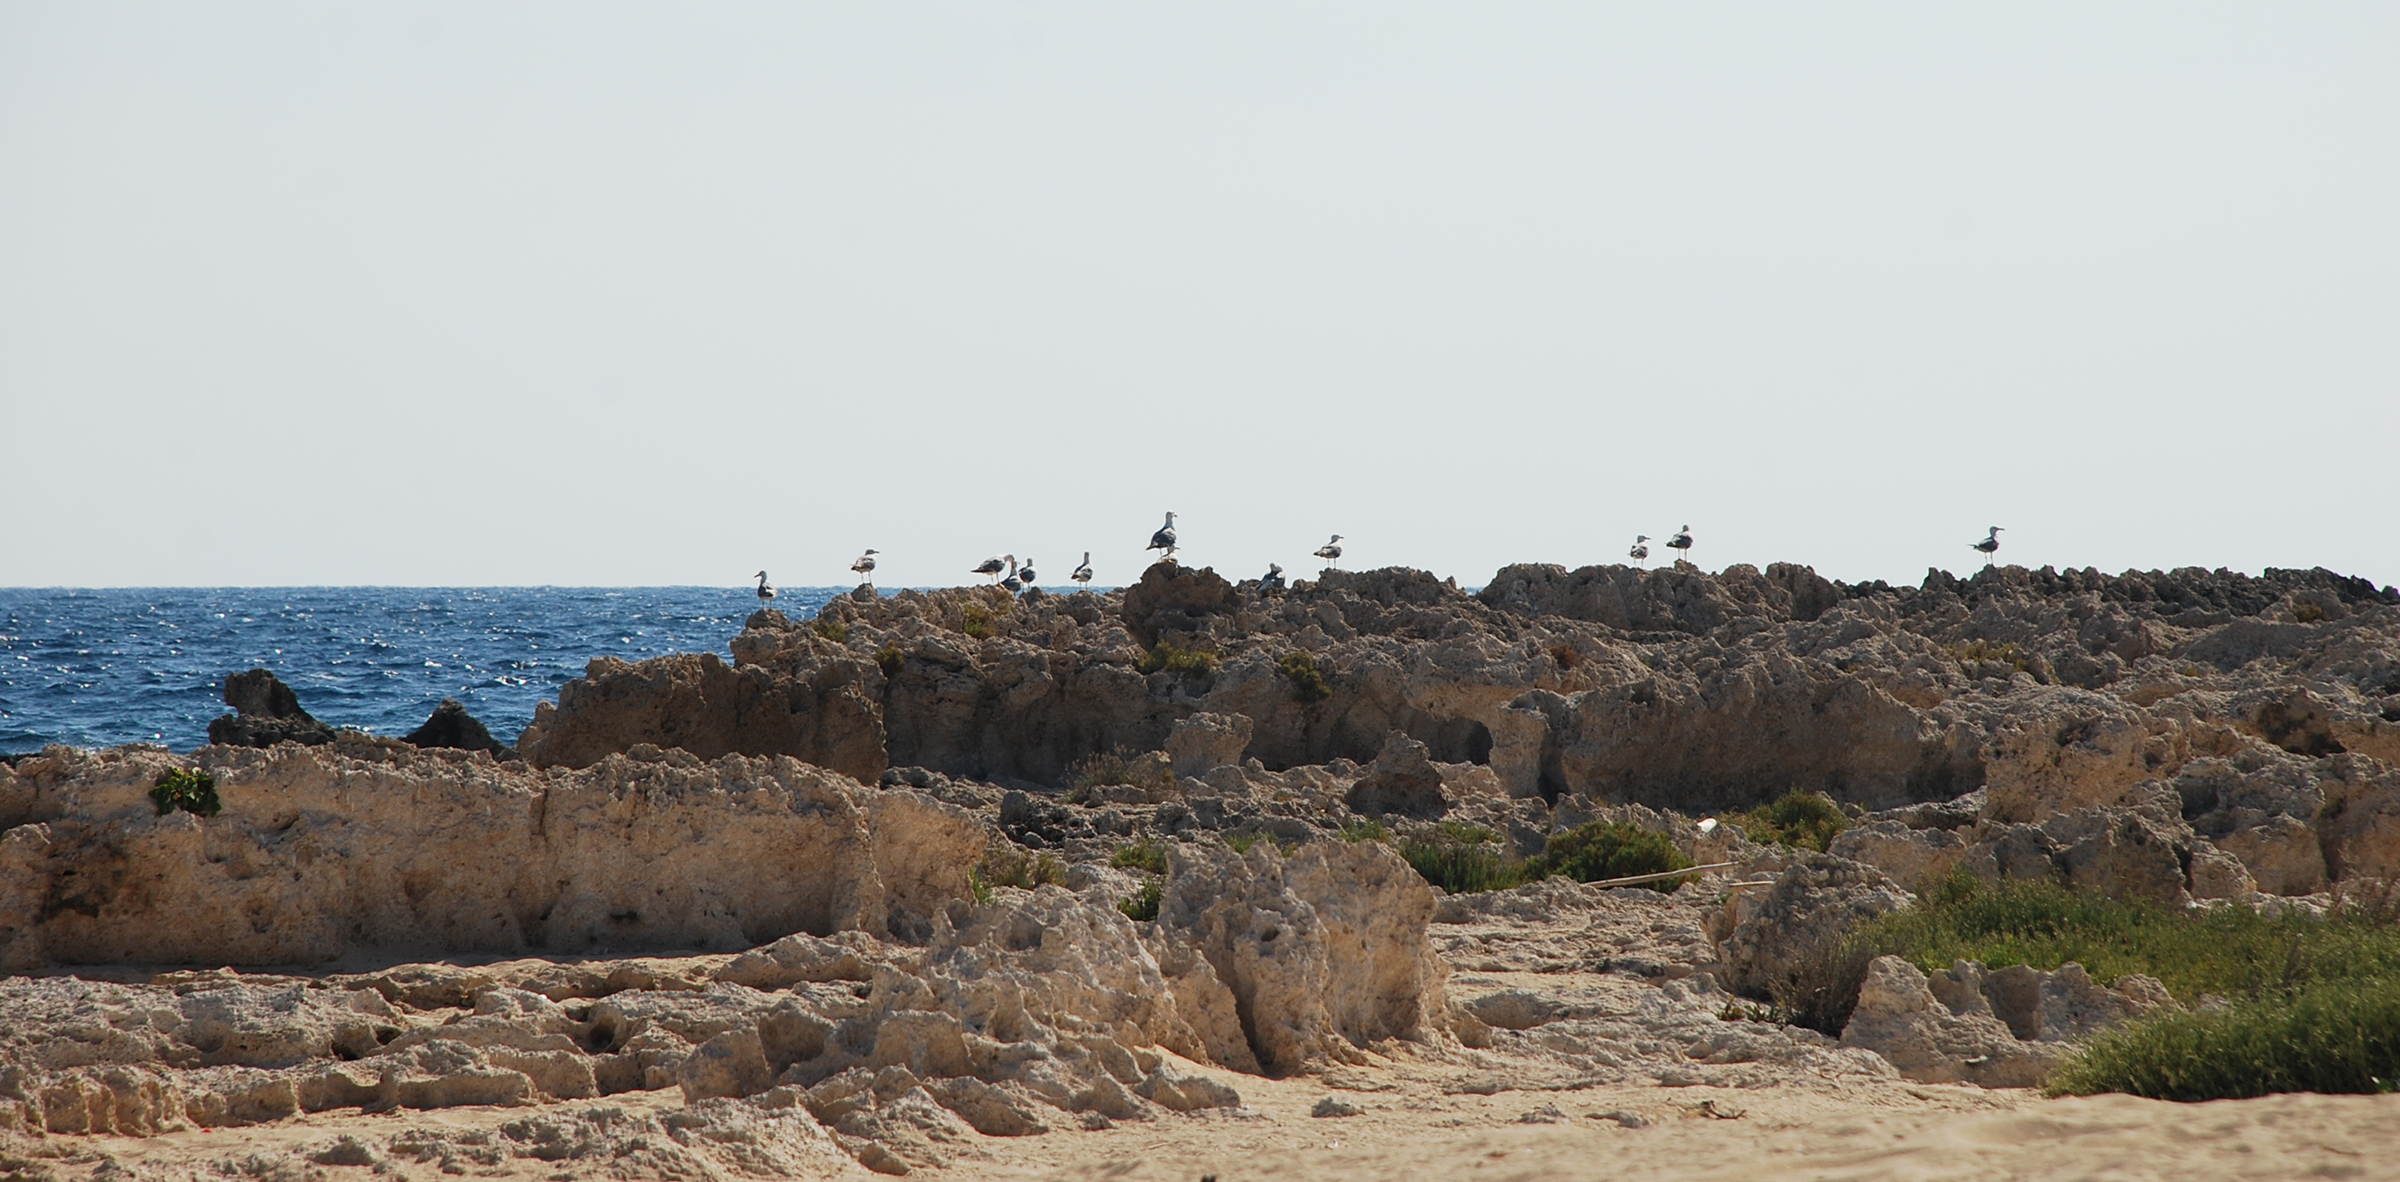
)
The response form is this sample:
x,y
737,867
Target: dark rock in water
x,y
266,712
261,694
452,726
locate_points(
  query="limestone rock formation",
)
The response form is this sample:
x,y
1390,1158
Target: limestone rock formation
x,y
1968,1024
266,712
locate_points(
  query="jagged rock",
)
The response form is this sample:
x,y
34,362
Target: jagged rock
x,y
1770,939
266,712
1402,781
1202,742
1323,951
1899,1017
702,705
1907,855
452,726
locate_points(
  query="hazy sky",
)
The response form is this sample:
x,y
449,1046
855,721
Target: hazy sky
x,y
637,294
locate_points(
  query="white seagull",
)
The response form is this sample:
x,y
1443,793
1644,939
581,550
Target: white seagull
x,y
993,566
1083,573
1640,553
1681,542
766,594
865,566
1025,573
1011,583
1164,539
1331,552
1990,545
1273,579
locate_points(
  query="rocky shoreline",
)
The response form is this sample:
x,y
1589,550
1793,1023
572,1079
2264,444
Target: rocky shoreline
x,y
763,887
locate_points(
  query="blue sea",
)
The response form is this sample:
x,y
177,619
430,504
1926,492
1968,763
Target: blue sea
x,y
95,668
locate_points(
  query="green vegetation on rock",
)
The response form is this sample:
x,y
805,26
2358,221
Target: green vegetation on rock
x,y
193,792
1803,820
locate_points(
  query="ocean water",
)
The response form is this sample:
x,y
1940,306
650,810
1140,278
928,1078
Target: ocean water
x,y
95,668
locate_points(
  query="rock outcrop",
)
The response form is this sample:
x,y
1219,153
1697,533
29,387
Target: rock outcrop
x,y
2004,1029
266,712
451,726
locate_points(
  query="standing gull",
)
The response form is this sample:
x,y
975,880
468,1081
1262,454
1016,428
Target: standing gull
x,y
1640,553
993,566
1025,573
1331,552
1012,584
1990,545
766,594
865,566
1681,543
1164,539
1273,579
1083,573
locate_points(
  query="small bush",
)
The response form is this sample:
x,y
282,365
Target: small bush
x,y
1978,652
2307,613
1243,843
889,659
1164,657
833,630
1116,768
193,792
1368,830
1149,854
1308,682
1803,820
979,622
1009,864
2332,1036
1567,655
1601,850
1142,905
1464,859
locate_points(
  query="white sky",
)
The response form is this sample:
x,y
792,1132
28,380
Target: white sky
x,y
639,294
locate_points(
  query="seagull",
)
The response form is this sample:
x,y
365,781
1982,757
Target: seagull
x,y
865,566
1990,545
1164,539
1641,549
1273,579
1331,552
1682,541
1025,573
766,594
993,566
1012,584
1083,573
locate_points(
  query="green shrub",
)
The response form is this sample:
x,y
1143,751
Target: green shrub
x,y
1804,820
2330,1036
1600,850
1149,854
889,659
978,623
1367,830
1146,771
1009,864
193,792
1165,657
833,630
1142,905
2006,652
1308,682
1463,859
1243,843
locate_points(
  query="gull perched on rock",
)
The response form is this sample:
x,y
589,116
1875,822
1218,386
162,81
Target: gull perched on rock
x,y
1990,545
1681,543
993,566
865,566
1331,552
1083,572
1640,553
1025,573
1164,539
766,594
1011,583
1273,579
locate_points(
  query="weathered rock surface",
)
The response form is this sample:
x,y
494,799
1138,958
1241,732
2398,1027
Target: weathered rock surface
x,y
2004,1029
452,726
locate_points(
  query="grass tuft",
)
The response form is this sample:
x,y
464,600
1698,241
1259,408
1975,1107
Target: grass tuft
x,y
833,630
1105,769
193,792
1601,850
1148,854
1464,859
1165,657
978,622
1008,864
889,659
1979,652
1142,905
2333,1036
1308,682
1367,830
1567,655
1802,820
